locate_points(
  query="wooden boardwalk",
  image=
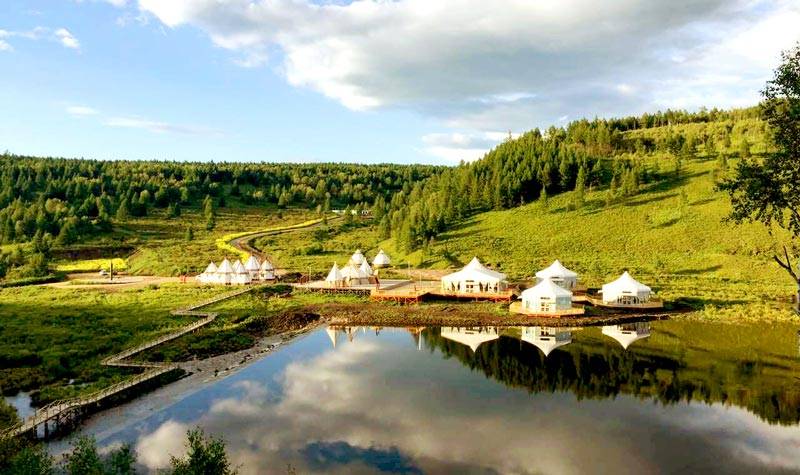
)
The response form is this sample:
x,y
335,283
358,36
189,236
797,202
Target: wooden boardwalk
x,y
575,311
413,292
650,305
66,413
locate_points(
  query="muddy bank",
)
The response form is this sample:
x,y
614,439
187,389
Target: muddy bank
x,y
374,314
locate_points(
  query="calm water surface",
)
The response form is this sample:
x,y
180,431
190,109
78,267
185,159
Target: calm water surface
x,y
681,398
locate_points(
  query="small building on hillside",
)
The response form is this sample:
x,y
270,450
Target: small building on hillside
x,y
253,267
474,278
546,297
471,337
627,333
381,260
560,275
546,339
625,291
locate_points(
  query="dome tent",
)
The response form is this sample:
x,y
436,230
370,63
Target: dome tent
x,y
559,274
546,297
625,291
474,278
381,260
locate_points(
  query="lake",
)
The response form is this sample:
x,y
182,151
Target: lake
x,y
660,397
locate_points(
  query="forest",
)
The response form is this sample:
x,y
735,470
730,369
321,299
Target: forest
x,y
52,203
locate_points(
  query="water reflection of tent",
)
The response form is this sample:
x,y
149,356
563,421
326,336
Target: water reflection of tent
x,y
472,337
546,339
416,334
627,333
332,335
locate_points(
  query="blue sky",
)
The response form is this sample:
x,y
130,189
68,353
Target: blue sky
x,y
405,81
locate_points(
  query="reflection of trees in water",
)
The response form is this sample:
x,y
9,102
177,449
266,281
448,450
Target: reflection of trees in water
x,y
595,371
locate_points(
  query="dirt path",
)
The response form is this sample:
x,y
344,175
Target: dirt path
x,y
93,280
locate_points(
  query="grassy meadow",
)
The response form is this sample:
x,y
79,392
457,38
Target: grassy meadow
x,y
54,338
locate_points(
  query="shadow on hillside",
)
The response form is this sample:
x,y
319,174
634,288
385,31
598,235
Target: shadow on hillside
x,y
667,224
701,202
699,271
653,199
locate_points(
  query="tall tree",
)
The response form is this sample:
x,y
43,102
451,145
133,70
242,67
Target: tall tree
x,y
768,189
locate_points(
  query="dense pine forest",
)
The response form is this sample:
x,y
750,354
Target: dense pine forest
x,y
51,203
622,154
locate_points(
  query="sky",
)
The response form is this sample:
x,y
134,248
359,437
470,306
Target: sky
x,y
372,81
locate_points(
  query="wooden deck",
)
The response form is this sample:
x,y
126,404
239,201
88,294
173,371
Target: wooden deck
x,y
413,292
516,307
57,415
652,304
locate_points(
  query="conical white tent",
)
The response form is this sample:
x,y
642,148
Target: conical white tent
x,y
240,274
627,333
474,278
625,291
252,266
546,339
365,268
472,337
381,260
559,274
332,335
546,297
353,275
209,276
334,276
225,272
357,257
267,271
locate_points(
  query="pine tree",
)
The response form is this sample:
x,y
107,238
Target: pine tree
x,y
580,187
122,210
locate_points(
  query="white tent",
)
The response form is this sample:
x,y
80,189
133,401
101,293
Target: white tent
x,y
365,268
353,275
253,267
472,337
474,278
627,333
546,339
625,291
381,260
559,274
332,335
267,271
357,258
546,297
334,276
225,272
209,276
240,274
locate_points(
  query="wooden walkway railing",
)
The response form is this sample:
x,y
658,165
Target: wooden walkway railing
x,y
69,409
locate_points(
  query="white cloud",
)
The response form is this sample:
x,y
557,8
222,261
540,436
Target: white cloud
x,y
161,127
61,35
81,111
457,146
66,39
154,450
495,65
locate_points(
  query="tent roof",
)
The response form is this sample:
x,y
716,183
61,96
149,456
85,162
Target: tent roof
x,y
331,334
334,275
267,265
546,287
352,271
471,338
381,259
225,267
625,336
475,271
626,282
365,268
238,267
357,257
211,269
556,269
252,263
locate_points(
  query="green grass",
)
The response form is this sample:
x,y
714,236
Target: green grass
x,y
671,236
53,336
